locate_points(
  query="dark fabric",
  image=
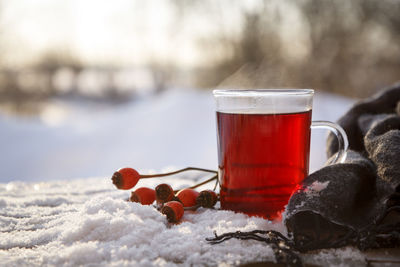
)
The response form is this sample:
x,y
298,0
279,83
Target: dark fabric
x,y
355,194
385,102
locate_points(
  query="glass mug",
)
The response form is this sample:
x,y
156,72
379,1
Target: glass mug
x,y
264,147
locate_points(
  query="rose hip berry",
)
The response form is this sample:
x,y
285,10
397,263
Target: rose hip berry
x,y
173,210
187,197
143,195
125,178
207,199
164,193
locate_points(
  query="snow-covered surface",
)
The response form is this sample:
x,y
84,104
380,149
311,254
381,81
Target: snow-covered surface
x,y
88,222
175,128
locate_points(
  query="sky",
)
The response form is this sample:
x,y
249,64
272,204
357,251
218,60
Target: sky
x,y
96,30
126,32
120,31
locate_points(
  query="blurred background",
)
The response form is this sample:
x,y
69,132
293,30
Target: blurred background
x,y
89,86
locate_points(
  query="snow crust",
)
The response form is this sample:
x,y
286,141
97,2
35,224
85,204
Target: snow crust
x,y
89,223
315,188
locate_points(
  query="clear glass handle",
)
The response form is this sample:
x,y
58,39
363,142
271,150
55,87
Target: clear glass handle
x,y
340,135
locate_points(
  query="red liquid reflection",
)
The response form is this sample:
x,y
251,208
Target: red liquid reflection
x,y
262,158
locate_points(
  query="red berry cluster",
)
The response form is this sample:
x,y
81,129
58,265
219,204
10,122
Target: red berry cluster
x,y
169,202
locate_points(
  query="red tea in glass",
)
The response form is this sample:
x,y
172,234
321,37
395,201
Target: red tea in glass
x,y
263,147
256,146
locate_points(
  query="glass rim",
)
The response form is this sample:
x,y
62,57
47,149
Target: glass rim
x,y
263,92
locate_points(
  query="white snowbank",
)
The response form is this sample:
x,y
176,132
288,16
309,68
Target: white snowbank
x,y
88,222
175,128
